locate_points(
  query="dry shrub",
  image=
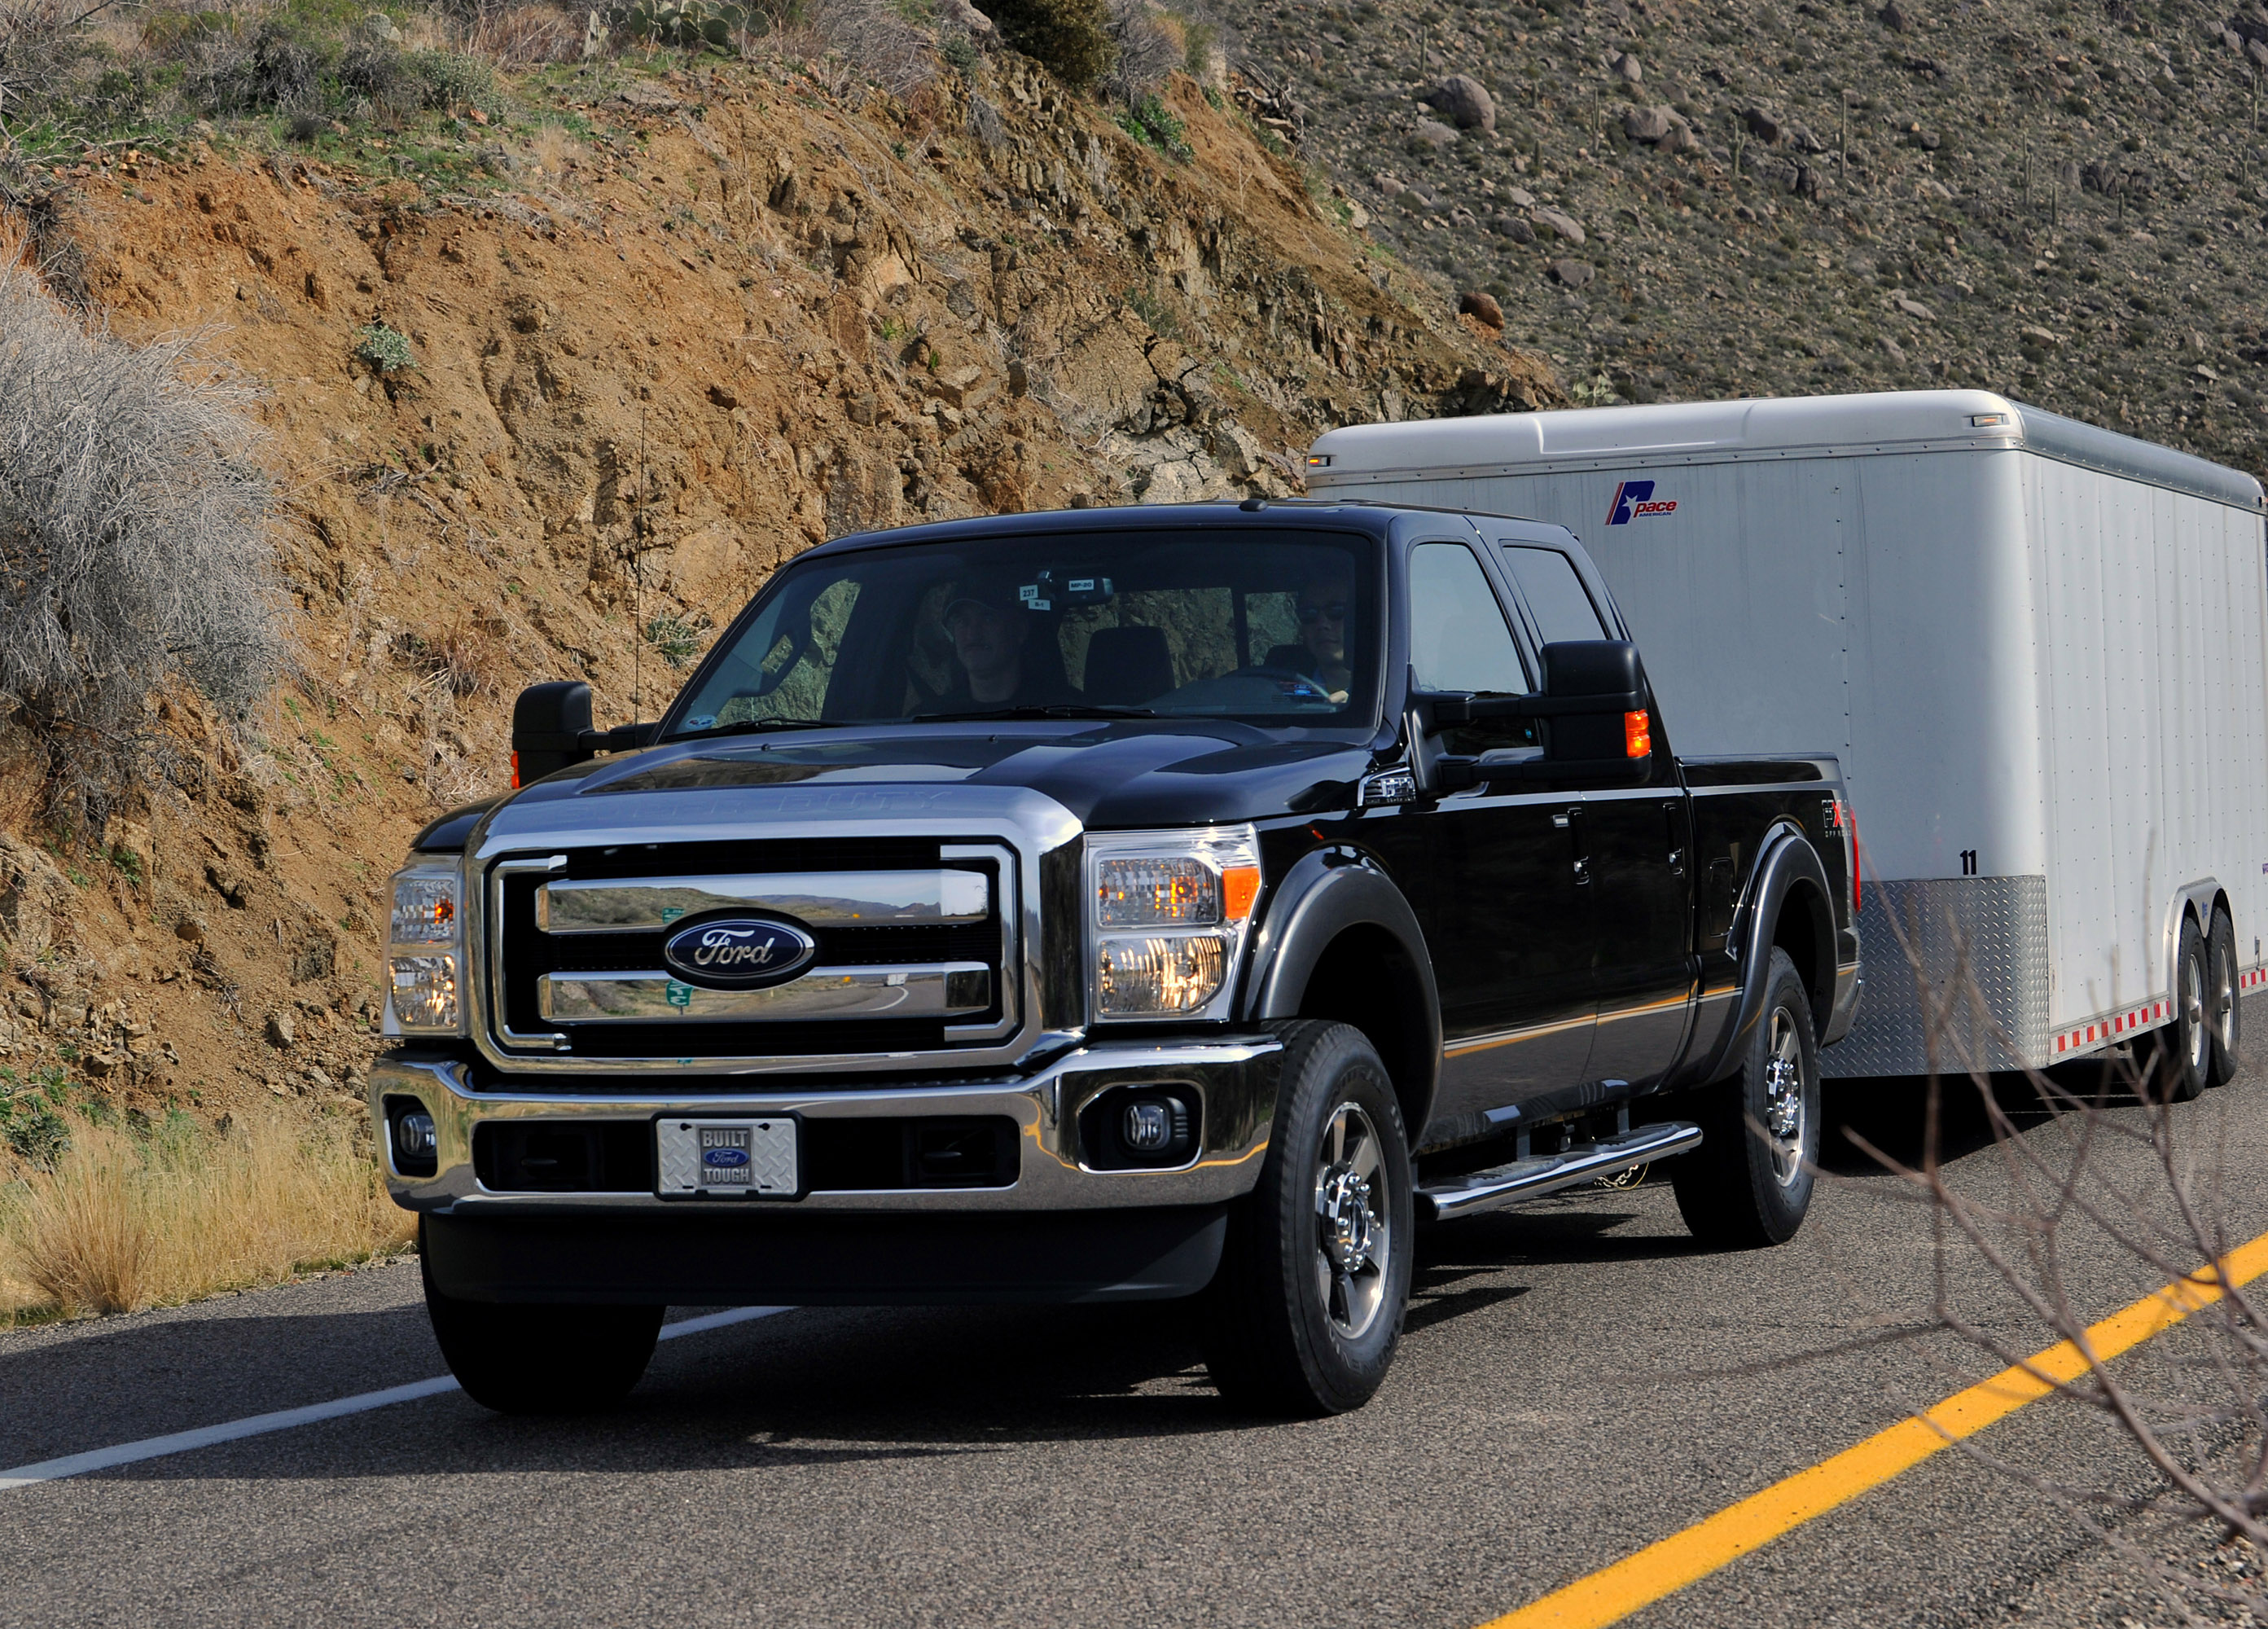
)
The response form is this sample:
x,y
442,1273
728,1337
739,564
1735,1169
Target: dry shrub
x,y
1149,48
2094,1162
525,36
134,544
125,1221
881,46
466,659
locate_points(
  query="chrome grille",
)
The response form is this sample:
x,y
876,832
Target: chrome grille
x,y
916,949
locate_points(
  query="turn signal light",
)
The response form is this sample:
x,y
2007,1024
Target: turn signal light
x,y
1239,886
1638,735
515,772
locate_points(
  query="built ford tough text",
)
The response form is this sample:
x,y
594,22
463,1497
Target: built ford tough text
x,y
1112,905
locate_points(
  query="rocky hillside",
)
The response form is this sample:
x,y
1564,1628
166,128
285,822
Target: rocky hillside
x,y
551,392
1680,199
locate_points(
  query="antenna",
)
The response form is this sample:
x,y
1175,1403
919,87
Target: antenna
x,y
637,580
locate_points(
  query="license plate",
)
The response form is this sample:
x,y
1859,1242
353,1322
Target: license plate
x,y
735,1158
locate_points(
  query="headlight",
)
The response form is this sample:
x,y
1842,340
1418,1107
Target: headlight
x,y
1167,916
424,952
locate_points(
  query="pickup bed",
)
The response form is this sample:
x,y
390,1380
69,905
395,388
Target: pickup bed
x,y
1111,904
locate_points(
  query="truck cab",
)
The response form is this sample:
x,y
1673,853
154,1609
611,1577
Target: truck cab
x,y
1110,904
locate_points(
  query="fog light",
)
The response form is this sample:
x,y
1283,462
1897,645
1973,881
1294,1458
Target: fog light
x,y
1149,1127
413,1137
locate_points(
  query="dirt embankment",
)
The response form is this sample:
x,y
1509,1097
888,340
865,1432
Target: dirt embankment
x,y
691,324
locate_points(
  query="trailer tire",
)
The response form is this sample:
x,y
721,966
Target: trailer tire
x,y
1303,1317
2184,1050
541,1359
1749,1185
2224,1002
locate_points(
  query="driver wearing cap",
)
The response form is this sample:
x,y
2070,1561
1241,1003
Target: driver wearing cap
x,y
1003,647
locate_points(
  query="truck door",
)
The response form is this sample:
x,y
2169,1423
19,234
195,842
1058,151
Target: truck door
x,y
1638,843
1490,869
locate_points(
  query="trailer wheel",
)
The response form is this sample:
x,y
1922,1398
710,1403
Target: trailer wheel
x,y
2184,1057
543,1360
1305,1313
1749,1184
2224,1009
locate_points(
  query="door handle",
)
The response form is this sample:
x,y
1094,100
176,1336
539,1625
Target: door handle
x,y
1571,822
1674,814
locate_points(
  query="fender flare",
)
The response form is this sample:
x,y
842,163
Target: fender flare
x,y
1325,893
1788,861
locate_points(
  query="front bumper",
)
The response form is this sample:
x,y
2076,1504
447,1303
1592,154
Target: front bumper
x,y
1234,1078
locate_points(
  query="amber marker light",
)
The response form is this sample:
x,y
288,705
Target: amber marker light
x,y
1239,886
1638,735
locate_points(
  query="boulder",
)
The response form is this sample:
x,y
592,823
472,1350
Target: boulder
x,y
1559,225
1645,124
1627,68
1464,101
1513,227
1481,307
1763,123
1434,133
1573,274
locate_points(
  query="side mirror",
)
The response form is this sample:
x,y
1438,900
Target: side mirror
x,y
1597,715
549,723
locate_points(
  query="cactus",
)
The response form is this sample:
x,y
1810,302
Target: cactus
x,y
692,25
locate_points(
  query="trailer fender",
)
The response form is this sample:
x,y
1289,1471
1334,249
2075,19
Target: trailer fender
x,y
2192,900
1327,894
1788,876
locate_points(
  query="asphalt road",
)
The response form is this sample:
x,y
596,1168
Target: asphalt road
x,y
1577,1381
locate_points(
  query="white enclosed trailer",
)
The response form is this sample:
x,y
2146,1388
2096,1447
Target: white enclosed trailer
x,y
2036,648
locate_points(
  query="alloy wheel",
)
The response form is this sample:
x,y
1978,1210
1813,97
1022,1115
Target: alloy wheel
x,y
1784,1107
1353,1222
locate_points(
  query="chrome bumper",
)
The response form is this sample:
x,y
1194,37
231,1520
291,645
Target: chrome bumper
x,y
1235,1079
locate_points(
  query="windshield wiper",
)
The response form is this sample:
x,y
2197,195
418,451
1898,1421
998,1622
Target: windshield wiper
x,y
1040,709
749,726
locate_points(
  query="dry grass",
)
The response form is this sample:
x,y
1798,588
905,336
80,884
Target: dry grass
x,y
126,1221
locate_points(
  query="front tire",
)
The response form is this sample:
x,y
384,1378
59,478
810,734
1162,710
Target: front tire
x,y
1304,1315
543,1360
1749,1183
2185,1046
2224,1007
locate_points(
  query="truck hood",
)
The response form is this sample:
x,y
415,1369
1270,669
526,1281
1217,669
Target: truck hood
x,y
1109,775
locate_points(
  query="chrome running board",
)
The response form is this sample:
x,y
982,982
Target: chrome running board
x,y
1532,1178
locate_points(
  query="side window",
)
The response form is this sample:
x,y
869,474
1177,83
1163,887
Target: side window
x,y
1460,641
1554,594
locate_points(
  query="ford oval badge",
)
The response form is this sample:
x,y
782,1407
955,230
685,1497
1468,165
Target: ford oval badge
x,y
738,953
725,1157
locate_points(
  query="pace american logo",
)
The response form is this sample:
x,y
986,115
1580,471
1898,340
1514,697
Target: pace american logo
x,y
1633,498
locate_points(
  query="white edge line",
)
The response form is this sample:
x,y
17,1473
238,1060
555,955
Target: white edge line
x,y
313,1413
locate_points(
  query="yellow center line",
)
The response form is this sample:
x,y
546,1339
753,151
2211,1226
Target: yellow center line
x,y
1661,1569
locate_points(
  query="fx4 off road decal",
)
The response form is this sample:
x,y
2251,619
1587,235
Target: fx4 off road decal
x,y
1633,498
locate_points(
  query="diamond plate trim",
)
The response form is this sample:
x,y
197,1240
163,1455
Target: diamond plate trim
x,y
772,1156
1970,952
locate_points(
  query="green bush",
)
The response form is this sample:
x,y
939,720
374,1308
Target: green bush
x,y
1070,38
1153,124
384,348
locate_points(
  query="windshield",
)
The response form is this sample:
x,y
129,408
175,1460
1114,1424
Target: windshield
x,y
1279,626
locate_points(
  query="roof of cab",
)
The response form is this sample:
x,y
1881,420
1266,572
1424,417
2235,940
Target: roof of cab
x,y
1772,427
1366,515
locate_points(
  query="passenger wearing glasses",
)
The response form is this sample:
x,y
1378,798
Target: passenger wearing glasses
x,y
1324,608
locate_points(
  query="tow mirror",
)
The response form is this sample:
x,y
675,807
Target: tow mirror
x,y
551,729
1595,708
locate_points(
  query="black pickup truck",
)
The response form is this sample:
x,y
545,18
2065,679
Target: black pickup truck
x,y
1113,904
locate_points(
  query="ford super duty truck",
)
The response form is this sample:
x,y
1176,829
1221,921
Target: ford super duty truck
x,y
1117,904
